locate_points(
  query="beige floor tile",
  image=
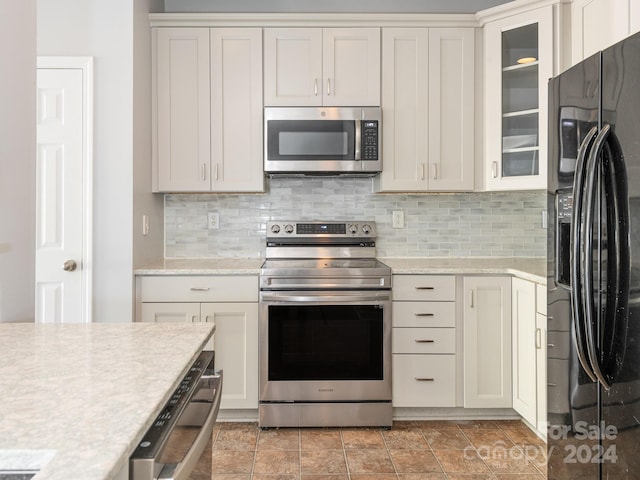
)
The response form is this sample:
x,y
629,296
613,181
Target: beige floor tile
x,y
472,476
370,476
235,439
445,438
279,439
369,461
325,477
461,461
320,439
422,476
414,461
411,439
229,461
323,462
277,462
362,438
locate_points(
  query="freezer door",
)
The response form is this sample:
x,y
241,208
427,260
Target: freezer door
x,y
572,395
619,335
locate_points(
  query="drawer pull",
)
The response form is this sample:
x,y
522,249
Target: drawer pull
x,y
552,384
424,341
551,345
425,288
199,289
424,379
538,338
423,314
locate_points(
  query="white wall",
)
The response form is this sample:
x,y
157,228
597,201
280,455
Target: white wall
x,y
105,31
17,159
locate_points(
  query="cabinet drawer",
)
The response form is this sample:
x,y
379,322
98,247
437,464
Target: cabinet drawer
x,y
424,340
424,380
199,288
424,314
424,287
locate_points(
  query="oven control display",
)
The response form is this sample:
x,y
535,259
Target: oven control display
x,y
321,228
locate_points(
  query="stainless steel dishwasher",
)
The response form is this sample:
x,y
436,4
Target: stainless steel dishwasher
x,y
178,443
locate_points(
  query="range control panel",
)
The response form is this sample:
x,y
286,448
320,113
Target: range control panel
x,y
293,229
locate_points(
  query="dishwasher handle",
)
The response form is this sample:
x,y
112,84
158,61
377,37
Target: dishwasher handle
x,y
182,470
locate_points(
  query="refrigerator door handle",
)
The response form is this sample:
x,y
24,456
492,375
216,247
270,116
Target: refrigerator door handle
x,y
593,165
616,315
577,276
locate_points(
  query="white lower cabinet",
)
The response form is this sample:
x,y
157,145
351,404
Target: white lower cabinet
x,y
424,341
541,358
231,303
487,342
523,303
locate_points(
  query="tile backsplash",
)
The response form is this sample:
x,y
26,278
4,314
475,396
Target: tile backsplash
x,y
436,225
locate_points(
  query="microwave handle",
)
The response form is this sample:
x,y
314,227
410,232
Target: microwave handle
x,y
358,152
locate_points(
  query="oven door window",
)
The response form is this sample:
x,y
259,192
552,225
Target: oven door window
x,y
311,140
325,342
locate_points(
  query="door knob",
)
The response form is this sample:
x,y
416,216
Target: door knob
x,y
69,266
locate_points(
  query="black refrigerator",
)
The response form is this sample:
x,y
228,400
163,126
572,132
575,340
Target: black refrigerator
x,y
593,284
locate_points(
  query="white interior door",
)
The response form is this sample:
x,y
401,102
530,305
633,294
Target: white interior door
x,y
62,190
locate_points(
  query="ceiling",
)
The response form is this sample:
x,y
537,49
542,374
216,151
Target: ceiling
x,y
331,6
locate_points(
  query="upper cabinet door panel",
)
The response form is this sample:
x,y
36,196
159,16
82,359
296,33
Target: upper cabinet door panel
x,y
182,133
293,66
316,66
451,109
351,66
236,110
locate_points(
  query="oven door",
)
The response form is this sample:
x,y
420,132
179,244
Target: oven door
x,y
325,346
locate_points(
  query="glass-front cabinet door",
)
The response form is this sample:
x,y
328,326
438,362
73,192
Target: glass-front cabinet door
x,y
519,62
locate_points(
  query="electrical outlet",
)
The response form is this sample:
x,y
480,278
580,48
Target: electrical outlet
x,y
213,220
397,219
145,225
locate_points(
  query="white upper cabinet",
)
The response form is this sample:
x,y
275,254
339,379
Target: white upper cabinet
x,y
182,125
428,109
236,110
207,122
598,24
519,61
322,66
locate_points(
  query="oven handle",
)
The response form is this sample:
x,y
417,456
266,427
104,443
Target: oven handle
x,y
182,470
326,297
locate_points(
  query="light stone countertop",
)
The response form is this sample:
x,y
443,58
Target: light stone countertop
x,y
203,266
533,269
79,397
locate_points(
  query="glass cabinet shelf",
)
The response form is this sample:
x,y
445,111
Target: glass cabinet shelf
x,y
520,108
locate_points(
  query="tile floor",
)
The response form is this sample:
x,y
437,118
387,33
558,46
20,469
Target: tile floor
x,y
411,450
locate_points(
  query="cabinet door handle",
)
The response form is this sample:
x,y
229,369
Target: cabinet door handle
x,y
423,379
315,87
538,338
494,169
199,289
424,341
216,176
425,288
422,171
193,318
423,314
204,171
435,172
471,298
328,86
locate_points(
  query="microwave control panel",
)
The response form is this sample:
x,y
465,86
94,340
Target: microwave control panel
x,y
370,140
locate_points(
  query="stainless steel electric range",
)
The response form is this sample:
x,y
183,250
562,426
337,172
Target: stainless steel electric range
x,y
325,326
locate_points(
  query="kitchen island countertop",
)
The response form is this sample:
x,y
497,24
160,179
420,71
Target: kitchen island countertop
x,y
80,396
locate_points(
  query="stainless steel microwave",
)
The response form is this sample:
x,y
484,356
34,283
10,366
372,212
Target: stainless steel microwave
x,y
322,141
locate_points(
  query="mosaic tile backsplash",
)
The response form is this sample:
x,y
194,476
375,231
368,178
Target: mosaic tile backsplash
x,y
436,225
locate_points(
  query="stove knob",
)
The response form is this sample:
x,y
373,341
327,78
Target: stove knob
x,y
366,229
288,228
275,228
353,229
